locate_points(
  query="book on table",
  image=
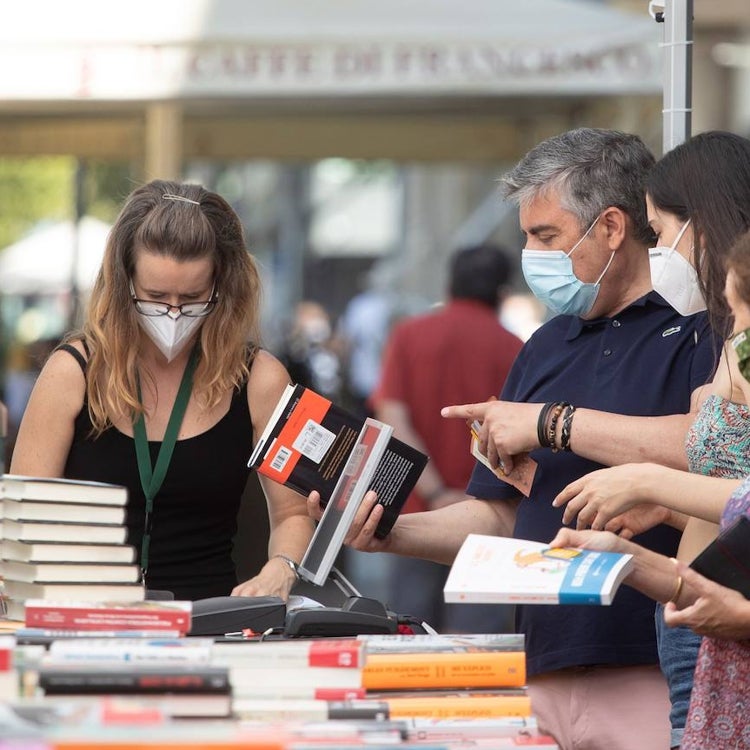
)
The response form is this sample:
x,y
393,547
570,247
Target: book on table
x,y
74,572
52,489
56,531
492,569
311,443
21,591
38,552
477,669
45,510
437,643
74,614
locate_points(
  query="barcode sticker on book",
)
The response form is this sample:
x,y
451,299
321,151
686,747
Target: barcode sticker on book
x,y
313,441
281,458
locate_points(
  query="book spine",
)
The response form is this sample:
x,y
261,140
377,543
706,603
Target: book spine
x,y
430,644
310,710
41,636
99,681
95,618
298,692
498,669
180,650
460,707
342,654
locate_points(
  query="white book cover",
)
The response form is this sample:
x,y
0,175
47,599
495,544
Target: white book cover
x,y
345,500
492,569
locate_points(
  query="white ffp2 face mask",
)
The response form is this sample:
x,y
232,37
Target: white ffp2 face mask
x,y
170,332
675,278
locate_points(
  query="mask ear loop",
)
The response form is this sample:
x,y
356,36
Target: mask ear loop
x,y
679,235
583,237
609,263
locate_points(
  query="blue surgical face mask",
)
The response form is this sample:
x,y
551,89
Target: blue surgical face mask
x,y
550,276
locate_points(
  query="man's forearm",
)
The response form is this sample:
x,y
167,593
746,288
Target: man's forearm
x,y
437,535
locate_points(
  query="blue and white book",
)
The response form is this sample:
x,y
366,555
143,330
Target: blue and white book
x,y
492,569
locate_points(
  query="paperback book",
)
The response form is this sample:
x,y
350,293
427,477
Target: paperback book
x,y
54,531
38,552
74,614
36,510
310,443
74,572
479,669
17,487
492,569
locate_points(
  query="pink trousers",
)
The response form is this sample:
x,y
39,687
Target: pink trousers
x,y
603,708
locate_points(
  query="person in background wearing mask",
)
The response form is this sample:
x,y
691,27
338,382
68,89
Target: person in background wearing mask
x,y
466,332
628,369
695,232
164,391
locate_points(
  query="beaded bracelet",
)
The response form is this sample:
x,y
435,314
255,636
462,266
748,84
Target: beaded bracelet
x,y
552,430
567,426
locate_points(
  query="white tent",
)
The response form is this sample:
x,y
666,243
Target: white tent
x,y
43,262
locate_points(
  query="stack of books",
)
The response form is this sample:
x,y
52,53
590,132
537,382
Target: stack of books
x,y
64,540
173,676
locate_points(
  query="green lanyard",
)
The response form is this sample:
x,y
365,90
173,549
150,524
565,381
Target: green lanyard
x,y
152,478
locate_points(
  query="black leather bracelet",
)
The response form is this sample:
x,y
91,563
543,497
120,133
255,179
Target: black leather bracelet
x,y
541,424
567,427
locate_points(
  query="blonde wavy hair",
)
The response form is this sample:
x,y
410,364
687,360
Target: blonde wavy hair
x,y
203,225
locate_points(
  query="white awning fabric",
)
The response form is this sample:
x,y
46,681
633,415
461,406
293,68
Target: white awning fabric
x,y
186,49
43,261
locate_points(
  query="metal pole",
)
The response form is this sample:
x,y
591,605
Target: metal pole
x,y
677,17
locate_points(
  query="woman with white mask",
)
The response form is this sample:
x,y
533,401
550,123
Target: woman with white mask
x,y
164,391
698,203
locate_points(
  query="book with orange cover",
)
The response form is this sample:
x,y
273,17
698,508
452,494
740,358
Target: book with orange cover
x,y
310,443
458,706
444,670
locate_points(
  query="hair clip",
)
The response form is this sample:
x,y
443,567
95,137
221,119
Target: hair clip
x,y
173,197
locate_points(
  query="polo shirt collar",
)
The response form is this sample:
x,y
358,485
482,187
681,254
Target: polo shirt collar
x,y
578,325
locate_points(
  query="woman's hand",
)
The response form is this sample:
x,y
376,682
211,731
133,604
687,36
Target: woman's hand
x,y
276,578
598,497
361,534
717,611
602,541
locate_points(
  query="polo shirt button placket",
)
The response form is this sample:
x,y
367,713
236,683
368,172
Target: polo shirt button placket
x,y
607,352
616,324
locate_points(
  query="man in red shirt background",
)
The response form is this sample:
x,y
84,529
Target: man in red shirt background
x,y
458,353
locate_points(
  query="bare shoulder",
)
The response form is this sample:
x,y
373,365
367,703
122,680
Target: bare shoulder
x,y
268,378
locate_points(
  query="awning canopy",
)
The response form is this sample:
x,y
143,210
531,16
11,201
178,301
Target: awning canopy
x,y
146,50
43,262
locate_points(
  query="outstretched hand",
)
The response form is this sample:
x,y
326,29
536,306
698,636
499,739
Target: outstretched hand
x,y
598,497
718,612
507,428
361,534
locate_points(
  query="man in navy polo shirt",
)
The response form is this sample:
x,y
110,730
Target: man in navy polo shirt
x,y
632,368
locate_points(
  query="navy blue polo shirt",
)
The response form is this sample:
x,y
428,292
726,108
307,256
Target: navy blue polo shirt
x,y
645,361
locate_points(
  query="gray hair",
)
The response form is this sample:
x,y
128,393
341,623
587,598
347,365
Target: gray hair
x,y
591,169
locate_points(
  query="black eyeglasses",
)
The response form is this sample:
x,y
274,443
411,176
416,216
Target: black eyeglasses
x,y
188,309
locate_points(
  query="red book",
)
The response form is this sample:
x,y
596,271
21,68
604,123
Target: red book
x,y
147,615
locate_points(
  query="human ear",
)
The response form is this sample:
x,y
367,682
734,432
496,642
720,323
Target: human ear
x,y
614,220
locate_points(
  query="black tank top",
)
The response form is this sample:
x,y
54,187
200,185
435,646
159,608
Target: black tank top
x,y
195,511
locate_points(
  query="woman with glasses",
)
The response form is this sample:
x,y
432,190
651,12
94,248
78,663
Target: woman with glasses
x,y
164,391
